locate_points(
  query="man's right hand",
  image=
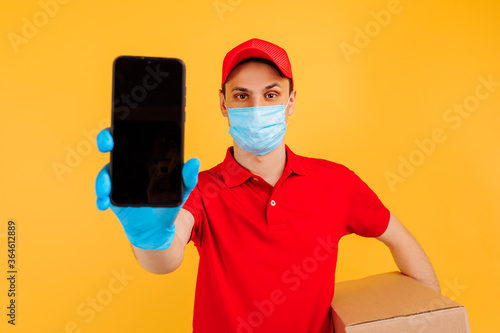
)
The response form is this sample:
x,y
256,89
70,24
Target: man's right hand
x,y
149,228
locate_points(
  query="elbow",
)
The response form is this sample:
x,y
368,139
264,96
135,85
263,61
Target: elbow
x,y
158,271
162,269
159,262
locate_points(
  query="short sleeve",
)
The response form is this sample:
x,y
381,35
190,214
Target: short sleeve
x,y
194,205
367,215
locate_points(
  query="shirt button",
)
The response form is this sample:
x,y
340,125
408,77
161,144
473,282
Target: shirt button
x,y
273,203
256,179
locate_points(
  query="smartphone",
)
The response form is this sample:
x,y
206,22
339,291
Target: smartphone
x,y
147,125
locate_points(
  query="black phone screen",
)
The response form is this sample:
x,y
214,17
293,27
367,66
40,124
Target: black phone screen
x,y
148,131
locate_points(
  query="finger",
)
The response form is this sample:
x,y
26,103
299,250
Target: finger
x,y
103,203
103,182
105,141
190,174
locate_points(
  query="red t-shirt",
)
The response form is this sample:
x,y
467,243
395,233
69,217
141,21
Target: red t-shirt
x,y
268,254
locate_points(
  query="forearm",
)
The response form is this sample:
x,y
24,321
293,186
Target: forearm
x,y
415,263
160,261
408,254
167,261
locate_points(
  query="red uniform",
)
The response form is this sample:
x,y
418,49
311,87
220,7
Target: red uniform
x,y
268,254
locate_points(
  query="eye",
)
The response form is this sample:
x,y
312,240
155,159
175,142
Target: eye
x,y
240,96
271,95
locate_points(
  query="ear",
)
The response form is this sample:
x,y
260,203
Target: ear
x,y
291,103
222,102
152,168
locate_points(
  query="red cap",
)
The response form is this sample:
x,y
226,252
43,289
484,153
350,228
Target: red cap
x,y
256,48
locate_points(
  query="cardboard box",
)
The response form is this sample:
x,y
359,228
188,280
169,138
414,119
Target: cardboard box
x,y
395,303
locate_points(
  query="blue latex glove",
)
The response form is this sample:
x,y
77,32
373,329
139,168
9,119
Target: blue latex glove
x,y
150,228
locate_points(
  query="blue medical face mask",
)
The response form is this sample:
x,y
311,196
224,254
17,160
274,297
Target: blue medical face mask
x,y
258,129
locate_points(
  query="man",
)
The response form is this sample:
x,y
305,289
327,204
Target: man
x,y
266,222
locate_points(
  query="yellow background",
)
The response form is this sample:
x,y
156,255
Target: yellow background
x,y
364,110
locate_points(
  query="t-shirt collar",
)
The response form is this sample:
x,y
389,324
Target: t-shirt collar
x,y
234,174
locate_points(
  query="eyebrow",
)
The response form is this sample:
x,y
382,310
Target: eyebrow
x,y
272,85
240,89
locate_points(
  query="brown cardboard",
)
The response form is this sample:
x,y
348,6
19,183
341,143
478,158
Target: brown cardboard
x,y
395,303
